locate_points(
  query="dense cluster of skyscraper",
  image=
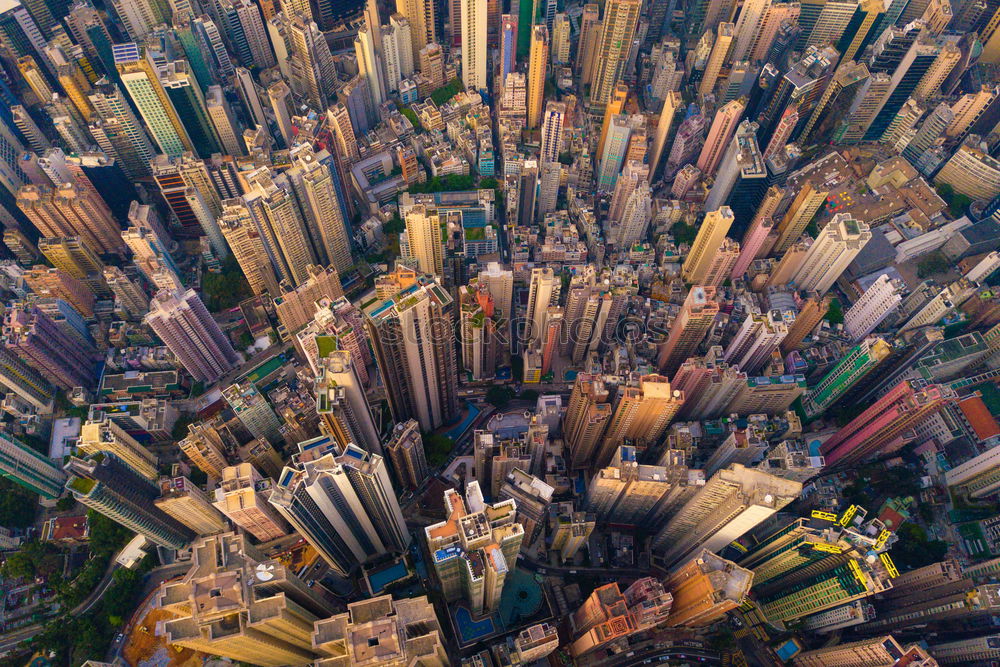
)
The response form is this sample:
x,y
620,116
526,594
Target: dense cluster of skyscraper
x,y
722,254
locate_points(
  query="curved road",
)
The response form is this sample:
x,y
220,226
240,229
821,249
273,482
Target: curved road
x,y
15,637
155,577
99,590
12,639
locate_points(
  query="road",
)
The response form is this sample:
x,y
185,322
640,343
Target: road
x,y
654,655
99,590
157,575
279,544
12,639
154,578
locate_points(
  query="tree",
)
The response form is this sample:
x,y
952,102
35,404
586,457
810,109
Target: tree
x,y
914,550
33,559
446,183
118,603
437,448
65,503
835,313
722,639
106,536
957,202
17,505
411,115
812,229
856,493
394,226
19,565
550,89
198,476
933,263
447,91
499,396
180,428
895,482
683,233
226,289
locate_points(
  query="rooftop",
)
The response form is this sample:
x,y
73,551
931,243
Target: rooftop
x,y
978,415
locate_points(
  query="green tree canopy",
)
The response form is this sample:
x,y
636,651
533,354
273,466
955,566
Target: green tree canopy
x,y
914,549
394,226
499,396
835,314
17,505
106,536
437,448
931,264
447,91
683,233
413,118
227,289
446,183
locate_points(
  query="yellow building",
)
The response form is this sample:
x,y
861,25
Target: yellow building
x,y
641,415
943,64
704,589
972,172
968,109
615,106
706,244
35,79
106,436
242,497
184,501
204,448
77,87
538,58
723,40
382,632
618,29
802,209
424,239
990,37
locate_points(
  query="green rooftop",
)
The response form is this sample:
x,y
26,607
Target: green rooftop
x,y
325,345
81,485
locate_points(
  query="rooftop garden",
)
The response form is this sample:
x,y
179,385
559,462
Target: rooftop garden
x,y
82,485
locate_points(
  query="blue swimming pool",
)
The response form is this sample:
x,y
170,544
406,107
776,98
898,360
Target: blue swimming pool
x,y
455,432
380,579
472,630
